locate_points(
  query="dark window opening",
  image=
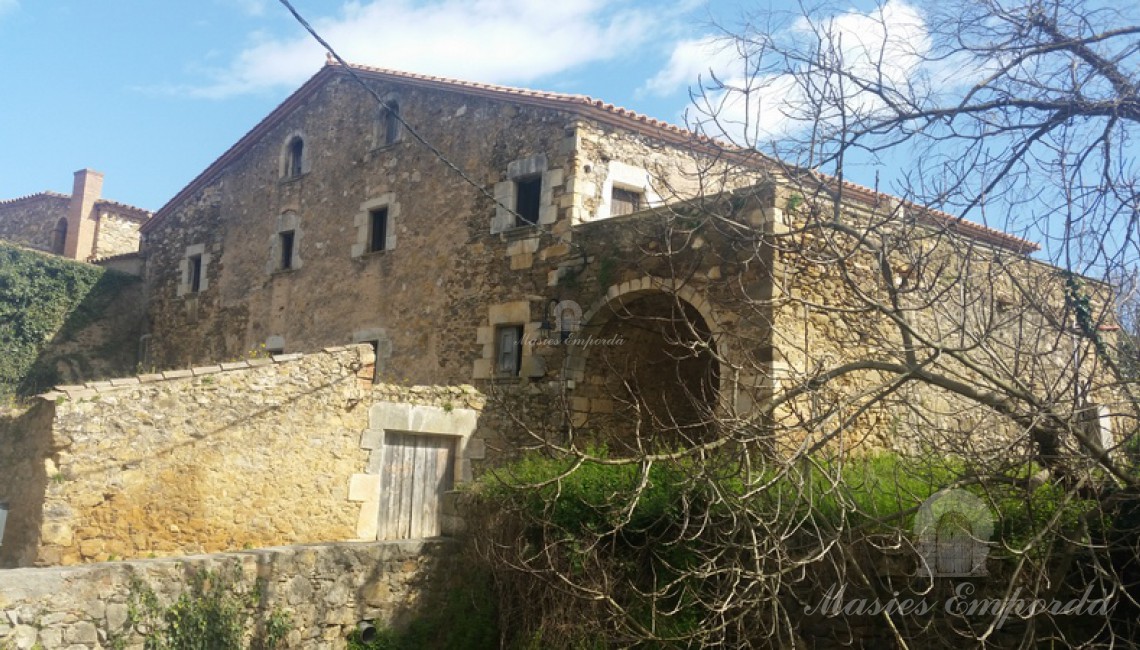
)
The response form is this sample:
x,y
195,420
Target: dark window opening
x,y
528,192
377,230
287,239
195,263
391,123
625,202
509,354
59,237
296,155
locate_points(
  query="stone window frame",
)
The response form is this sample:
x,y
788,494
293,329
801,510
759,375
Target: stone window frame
x,y
515,314
288,221
186,285
506,194
362,221
630,178
286,171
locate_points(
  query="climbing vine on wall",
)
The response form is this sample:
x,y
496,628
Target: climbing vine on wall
x,y
42,297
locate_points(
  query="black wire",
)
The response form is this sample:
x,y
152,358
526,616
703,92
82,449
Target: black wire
x,y
415,134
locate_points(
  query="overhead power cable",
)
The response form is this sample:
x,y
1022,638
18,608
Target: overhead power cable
x,y
380,101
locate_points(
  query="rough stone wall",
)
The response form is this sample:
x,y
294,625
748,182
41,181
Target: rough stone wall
x,y
255,454
243,454
30,221
1002,311
118,233
324,589
425,298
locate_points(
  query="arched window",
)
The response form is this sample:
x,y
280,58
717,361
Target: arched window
x,y
59,237
390,123
295,157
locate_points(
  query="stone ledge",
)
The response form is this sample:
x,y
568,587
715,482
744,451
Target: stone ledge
x,y
106,385
282,358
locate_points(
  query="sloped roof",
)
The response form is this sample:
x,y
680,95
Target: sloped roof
x,y
593,108
590,107
34,197
129,211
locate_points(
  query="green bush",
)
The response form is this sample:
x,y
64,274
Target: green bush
x,y
691,524
212,614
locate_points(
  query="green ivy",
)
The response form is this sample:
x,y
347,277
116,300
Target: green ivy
x,y
44,297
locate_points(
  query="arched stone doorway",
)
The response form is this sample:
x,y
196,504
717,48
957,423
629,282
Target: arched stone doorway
x,y
649,372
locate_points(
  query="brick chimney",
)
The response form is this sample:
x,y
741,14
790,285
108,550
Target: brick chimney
x,y
81,216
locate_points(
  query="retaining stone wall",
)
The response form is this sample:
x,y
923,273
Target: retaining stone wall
x,y
245,454
325,589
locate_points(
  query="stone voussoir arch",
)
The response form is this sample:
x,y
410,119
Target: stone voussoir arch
x,y
576,357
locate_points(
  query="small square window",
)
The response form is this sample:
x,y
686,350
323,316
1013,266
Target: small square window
x,y
528,194
195,272
624,201
286,240
508,352
378,230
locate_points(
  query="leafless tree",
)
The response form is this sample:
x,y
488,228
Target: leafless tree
x,y
760,465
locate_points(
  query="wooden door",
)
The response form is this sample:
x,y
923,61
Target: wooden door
x,y
417,470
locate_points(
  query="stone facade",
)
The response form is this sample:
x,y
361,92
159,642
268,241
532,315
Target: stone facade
x,y
243,454
451,255
325,590
82,226
272,246
30,221
327,225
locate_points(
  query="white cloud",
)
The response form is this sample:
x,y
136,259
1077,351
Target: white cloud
x,y
252,7
891,40
692,59
8,5
504,41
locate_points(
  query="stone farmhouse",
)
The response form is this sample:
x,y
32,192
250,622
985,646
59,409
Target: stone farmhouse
x,y
330,302
83,226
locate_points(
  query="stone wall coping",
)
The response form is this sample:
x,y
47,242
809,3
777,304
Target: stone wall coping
x,y
379,391
93,388
45,581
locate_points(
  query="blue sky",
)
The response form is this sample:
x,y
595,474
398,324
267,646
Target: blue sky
x,y
150,93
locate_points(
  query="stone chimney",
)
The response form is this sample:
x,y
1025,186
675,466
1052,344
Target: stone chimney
x,y
81,217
